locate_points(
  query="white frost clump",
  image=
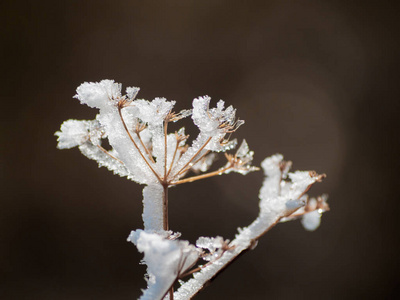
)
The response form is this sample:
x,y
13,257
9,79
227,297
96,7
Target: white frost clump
x,y
143,151
165,260
73,133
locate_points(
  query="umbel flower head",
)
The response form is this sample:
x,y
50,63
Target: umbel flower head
x,y
143,150
137,132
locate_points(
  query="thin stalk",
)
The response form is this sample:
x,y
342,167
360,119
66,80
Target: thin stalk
x,y
201,148
196,161
108,153
165,148
173,157
165,206
144,147
136,146
202,176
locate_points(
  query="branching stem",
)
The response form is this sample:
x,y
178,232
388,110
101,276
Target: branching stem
x,y
136,146
197,153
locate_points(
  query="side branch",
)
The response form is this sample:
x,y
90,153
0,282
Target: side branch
x,y
109,154
197,153
202,176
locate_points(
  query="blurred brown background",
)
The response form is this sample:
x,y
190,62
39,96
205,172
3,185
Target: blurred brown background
x,y
315,80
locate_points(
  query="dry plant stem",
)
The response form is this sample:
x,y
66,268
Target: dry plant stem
x,y
108,153
194,178
144,147
196,161
165,206
165,148
197,153
173,157
201,267
136,146
243,251
239,251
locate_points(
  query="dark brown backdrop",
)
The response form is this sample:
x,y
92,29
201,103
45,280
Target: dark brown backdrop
x,y
315,81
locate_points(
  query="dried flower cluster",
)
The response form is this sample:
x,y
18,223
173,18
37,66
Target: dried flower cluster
x,y
144,151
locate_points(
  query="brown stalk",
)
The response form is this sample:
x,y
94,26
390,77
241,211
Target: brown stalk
x,y
197,160
136,146
165,148
108,153
173,157
165,206
197,153
144,146
202,176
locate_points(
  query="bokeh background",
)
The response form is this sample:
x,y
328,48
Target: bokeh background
x,y
315,80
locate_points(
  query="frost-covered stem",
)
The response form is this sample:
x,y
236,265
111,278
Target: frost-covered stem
x,y
202,176
196,161
173,158
108,153
136,146
243,242
197,153
144,147
165,206
165,148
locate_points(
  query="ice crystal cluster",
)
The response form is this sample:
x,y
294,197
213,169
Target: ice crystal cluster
x,y
143,151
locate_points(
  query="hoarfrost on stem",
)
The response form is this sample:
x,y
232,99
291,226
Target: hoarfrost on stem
x,y
143,151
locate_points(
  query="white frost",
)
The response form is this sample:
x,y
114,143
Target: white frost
x,y
165,260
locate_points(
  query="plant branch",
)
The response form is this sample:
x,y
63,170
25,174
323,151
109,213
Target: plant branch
x,y
109,154
173,157
165,148
144,146
136,146
197,153
202,176
196,161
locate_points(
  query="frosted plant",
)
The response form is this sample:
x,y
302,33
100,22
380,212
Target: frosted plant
x,y
144,151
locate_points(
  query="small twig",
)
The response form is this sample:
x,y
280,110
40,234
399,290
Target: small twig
x,y
109,154
202,176
201,148
196,161
173,157
144,146
136,146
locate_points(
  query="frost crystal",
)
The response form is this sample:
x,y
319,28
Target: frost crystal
x,y
142,149
166,260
